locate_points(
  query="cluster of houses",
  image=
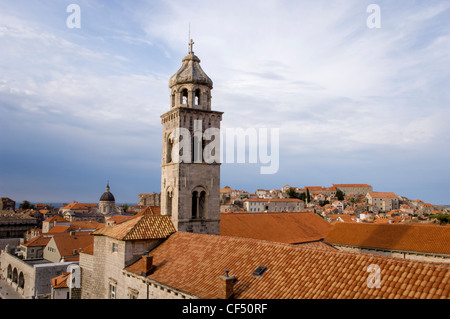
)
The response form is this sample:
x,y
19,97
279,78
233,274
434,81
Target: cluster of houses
x,y
338,203
50,248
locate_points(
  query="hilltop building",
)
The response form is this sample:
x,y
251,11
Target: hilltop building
x,y
152,199
384,201
7,204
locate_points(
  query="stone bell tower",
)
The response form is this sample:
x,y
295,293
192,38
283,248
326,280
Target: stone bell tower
x,y
190,181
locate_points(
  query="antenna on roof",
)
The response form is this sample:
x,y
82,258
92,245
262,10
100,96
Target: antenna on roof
x,y
191,43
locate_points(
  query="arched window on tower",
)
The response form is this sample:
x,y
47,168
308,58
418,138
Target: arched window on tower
x,y
169,202
184,97
169,146
197,97
202,205
195,204
173,99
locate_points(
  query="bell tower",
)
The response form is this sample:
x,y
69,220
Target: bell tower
x,y
190,168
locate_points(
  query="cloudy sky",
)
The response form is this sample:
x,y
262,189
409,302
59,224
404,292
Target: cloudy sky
x,y
353,104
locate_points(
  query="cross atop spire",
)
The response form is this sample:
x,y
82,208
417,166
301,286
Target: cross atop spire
x,y
191,44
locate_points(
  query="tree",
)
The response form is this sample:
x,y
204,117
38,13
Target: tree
x,y
325,202
302,196
291,193
125,207
26,205
340,195
442,218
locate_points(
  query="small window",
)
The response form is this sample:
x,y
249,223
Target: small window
x,y
112,291
115,248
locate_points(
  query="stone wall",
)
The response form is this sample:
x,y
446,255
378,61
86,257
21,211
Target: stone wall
x,y
37,275
105,267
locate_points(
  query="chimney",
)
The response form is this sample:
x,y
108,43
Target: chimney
x,y
226,284
148,264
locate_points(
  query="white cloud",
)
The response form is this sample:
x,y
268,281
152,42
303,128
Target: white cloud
x,y
311,68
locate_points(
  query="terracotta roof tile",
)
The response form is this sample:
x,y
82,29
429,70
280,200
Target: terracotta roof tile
x,y
58,229
37,241
85,224
192,263
89,249
67,242
427,239
79,206
150,210
60,281
55,219
142,227
280,227
118,219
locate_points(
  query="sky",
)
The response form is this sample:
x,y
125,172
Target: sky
x,y
353,103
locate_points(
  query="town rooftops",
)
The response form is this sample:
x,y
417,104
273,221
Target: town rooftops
x,y
423,239
284,200
79,206
287,228
145,226
192,263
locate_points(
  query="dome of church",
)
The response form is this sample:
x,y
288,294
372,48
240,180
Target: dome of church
x,y
107,196
190,72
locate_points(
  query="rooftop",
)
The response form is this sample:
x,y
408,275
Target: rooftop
x,y
192,263
425,238
287,228
145,226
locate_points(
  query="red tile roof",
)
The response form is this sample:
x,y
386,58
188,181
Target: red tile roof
x,y
142,227
280,227
192,263
85,224
426,239
58,229
79,206
118,219
60,281
150,210
56,219
37,241
68,242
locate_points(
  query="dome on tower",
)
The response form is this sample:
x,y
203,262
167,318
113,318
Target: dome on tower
x,y
107,196
190,72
